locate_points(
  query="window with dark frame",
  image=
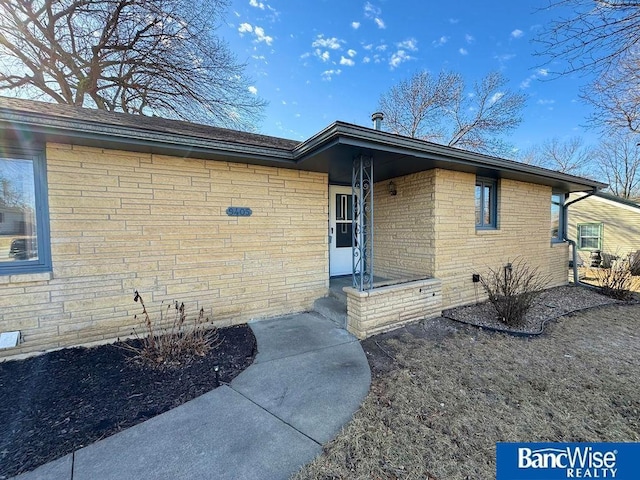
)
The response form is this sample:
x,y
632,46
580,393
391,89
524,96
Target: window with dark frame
x,y
486,198
24,238
557,217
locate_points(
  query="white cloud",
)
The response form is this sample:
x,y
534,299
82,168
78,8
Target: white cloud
x,y
399,57
332,43
543,72
410,44
505,58
453,21
253,90
469,38
441,41
368,46
517,33
355,25
305,55
381,48
366,60
371,10
526,83
495,97
543,101
329,74
374,13
463,51
257,31
351,52
324,56
256,4
261,37
346,61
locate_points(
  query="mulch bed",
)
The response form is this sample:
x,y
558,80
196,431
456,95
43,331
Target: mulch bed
x,y
549,305
53,404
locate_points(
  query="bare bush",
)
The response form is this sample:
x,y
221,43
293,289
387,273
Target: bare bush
x,y
634,263
615,281
512,290
177,344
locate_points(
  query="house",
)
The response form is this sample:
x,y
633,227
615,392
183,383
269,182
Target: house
x,y
248,226
605,223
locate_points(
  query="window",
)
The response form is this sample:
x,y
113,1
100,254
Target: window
x,y
486,203
590,236
344,216
24,232
557,217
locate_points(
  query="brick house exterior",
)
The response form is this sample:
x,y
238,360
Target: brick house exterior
x,y
134,203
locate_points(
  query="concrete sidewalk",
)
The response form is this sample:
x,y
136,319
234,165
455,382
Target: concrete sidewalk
x,y
307,380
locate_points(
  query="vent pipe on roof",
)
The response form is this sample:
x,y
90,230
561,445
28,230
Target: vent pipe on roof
x,y
377,120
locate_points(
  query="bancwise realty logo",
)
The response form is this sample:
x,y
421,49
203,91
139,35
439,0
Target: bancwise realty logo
x,y
551,461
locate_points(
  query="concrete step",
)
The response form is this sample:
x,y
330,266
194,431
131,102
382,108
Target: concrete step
x,y
333,309
339,295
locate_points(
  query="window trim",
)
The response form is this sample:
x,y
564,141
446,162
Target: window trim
x,y
600,226
493,203
43,263
562,226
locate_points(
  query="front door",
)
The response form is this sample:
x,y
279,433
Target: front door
x,y
340,230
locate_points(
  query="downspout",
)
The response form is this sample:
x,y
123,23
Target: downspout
x,y
565,216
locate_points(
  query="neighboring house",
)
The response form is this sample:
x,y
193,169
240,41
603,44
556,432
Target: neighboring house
x,y
12,221
248,226
603,222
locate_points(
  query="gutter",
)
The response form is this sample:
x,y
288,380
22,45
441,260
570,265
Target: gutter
x,y
565,211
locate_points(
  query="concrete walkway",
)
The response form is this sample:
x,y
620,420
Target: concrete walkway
x,y
307,380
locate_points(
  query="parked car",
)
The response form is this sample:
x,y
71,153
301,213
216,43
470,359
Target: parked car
x,y
23,248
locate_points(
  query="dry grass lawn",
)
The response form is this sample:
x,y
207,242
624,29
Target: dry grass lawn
x,y
438,409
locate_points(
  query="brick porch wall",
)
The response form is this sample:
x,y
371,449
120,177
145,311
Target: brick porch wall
x,y
122,221
428,228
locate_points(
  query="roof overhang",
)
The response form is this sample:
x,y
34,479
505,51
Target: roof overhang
x,y
330,151
334,149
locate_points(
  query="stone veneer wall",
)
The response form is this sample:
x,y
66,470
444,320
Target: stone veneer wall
x,y
428,229
384,308
404,227
122,221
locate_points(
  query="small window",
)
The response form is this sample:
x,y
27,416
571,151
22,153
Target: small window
x,y
24,230
590,236
557,217
486,203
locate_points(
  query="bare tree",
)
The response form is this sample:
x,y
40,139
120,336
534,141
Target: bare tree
x,y
156,57
567,156
616,98
618,161
413,107
480,118
591,35
600,38
441,110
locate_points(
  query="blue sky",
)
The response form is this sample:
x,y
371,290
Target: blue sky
x,y
319,61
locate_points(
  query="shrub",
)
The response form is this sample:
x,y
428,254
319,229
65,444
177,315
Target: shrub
x,y
512,290
634,263
615,281
172,343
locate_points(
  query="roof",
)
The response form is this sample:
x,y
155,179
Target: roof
x,y
331,151
623,202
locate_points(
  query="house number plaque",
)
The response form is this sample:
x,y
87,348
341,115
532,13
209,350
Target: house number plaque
x,y
239,212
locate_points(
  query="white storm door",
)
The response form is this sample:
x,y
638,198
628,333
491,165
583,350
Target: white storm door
x,y
340,231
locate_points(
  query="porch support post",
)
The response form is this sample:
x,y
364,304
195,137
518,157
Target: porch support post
x,y
362,222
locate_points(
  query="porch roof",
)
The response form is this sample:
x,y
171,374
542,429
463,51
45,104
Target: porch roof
x,y
330,151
